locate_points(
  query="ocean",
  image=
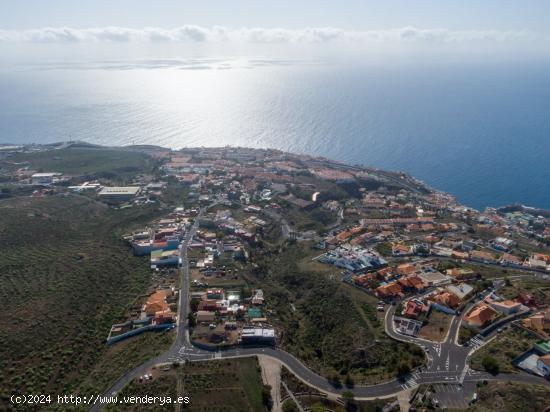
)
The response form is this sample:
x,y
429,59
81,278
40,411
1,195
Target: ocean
x,y
480,131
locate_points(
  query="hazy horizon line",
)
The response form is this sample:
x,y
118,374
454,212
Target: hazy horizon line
x,y
215,34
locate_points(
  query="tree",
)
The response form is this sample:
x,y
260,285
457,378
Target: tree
x,y
403,369
348,396
348,399
490,364
266,396
384,248
290,406
348,381
334,380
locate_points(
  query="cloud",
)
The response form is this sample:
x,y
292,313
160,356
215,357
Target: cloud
x,y
216,34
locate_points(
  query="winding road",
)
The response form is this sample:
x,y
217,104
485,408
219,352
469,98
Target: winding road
x,y
447,361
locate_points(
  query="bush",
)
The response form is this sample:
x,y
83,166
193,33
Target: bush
x,y
348,397
290,406
490,364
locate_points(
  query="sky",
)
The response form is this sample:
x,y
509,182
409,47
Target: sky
x,y
67,29
344,14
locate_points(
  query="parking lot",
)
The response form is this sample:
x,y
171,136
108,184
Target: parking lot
x,y
453,396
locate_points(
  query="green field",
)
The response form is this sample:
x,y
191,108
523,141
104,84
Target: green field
x,y
65,277
99,162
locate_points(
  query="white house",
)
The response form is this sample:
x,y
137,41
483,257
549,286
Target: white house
x,y
44,178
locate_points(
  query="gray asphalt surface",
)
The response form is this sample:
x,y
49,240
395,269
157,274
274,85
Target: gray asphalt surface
x,y
446,361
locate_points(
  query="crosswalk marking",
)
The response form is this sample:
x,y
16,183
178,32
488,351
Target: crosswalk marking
x,y
410,382
476,342
463,374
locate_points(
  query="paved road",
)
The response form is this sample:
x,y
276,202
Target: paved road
x,y
447,361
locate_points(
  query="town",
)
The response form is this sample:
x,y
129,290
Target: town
x,y
470,290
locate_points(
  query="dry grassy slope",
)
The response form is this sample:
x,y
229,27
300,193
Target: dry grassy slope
x,y
511,397
64,278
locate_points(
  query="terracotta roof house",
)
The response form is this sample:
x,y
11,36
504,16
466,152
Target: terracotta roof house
x,y
384,273
400,249
164,316
406,269
156,303
414,308
526,299
416,283
539,322
480,316
404,282
153,307
431,239
411,282
392,289
459,255
448,299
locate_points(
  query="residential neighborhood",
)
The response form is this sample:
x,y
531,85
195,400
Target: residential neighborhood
x,y
230,233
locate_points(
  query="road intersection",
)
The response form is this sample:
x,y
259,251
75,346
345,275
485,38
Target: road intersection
x,y
447,361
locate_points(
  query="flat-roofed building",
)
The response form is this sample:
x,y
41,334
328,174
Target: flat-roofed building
x,y
506,306
543,364
461,273
116,194
463,291
165,258
539,261
264,336
205,316
543,347
44,178
433,278
408,327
